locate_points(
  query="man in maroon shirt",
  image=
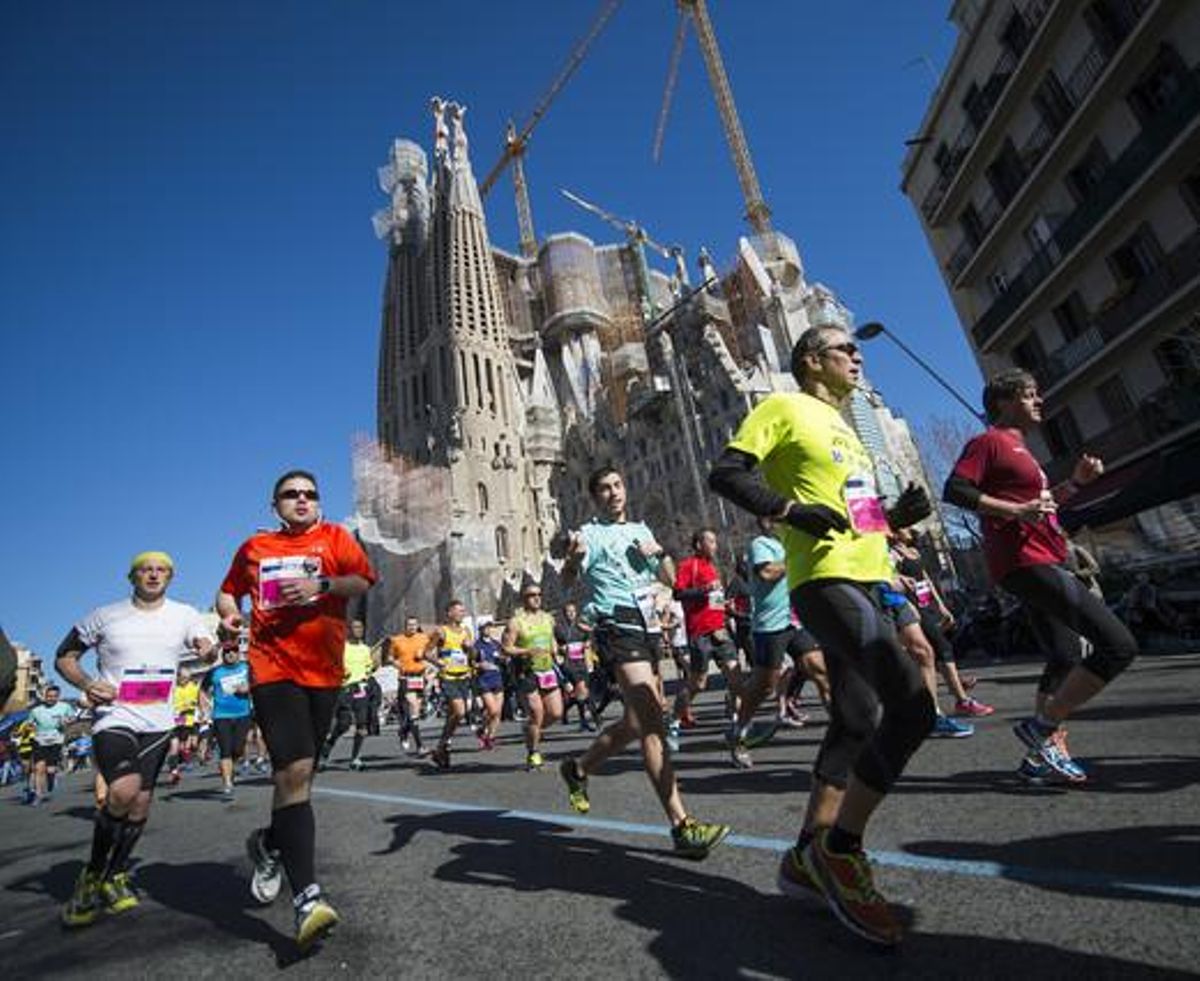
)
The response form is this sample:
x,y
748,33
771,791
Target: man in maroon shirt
x,y
698,589
1026,553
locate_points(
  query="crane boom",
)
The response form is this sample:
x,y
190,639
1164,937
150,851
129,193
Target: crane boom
x,y
757,212
672,77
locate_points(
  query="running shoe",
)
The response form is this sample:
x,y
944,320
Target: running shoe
x,y
1049,746
84,905
534,761
794,880
850,891
973,707
792,719
948,728
406,744
577,794
1033,770
357,764
740,755
268,873
760,733
117,893
672,737
440,757
694,839
174,777
315,920
227,793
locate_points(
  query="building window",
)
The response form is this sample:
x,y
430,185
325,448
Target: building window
x,y
1189,190
1053,101
1016,34
1179,356
1114,399
972,225
1006,173
1138,256
1110,22
501,544
1062,434
998,283
481,498
1159,84
1087,173
1071,316
1029,354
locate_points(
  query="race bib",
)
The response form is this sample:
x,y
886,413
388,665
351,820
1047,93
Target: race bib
x,y
546,679
575,650
273,574
643,599
455,658
231,682
716,599
360,691
863,504
414,684
924,593
145,686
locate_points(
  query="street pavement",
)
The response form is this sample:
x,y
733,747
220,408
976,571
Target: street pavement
x,y
484,871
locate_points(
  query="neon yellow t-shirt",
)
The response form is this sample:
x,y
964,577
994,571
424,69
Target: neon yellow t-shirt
x,y
357,663
453,661
535,631
807,451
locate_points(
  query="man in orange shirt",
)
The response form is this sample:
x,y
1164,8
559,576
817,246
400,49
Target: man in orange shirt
x,y
298,579
408,654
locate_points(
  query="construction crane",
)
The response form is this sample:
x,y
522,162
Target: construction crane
x,y
515,141
757,212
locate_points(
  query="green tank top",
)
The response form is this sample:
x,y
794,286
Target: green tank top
x,y
536,631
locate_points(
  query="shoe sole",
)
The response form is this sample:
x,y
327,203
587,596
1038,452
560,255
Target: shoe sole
x,y
265,895
75,922
829,894
952,735
316,928
116,909
698,854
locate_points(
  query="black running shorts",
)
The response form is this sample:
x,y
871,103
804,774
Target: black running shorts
x,y
120,752
231,736
294,720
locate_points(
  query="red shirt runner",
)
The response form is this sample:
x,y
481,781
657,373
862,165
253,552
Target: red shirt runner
x,y
1000,465
701,616
302,643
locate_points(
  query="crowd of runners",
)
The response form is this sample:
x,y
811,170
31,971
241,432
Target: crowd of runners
x,y
831,592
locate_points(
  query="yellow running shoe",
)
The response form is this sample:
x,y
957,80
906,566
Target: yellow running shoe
x,y
315,920
577,794
118,894
84,905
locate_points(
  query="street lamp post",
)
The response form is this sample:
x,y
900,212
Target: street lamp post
x,y
874,328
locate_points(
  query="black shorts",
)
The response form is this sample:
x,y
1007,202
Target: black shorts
x,y
489,683
354,703
294,720
231,736
528,684
771,646
718,646
574,671
50,755
120,752
184,733
618,644
457,689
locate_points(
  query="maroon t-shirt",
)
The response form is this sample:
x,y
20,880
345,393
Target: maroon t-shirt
x,y
1000,465
701,616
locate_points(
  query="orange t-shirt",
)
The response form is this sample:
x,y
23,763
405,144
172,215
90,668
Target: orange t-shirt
x,y
301,643
407,652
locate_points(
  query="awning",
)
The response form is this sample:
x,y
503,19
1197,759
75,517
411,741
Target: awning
x,y
1168,474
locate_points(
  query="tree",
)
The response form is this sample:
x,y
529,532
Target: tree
x,y
942,439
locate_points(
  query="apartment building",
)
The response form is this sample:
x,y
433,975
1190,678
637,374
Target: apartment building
x,y
1057,177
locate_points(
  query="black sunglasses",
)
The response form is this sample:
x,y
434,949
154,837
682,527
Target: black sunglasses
x,y
299,493
848,348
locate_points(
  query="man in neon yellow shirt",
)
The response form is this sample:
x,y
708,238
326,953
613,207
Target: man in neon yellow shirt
x,y
354,700
794,458
529,641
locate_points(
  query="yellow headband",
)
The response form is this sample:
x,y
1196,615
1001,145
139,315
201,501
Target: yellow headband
x,y
162,558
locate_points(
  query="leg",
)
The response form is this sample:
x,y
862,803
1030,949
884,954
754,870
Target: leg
x,y
812,666
535,717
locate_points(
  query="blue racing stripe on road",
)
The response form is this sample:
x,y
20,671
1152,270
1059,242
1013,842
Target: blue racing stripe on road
x,y
1070,878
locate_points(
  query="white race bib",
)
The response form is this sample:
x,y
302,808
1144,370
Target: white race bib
x,y
145,686
274,573
644,600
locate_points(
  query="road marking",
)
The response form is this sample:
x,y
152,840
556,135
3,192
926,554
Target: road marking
x,y
1071,878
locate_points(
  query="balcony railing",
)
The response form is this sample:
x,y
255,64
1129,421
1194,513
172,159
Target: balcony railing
x,y
1033,13
1158,416
1145,148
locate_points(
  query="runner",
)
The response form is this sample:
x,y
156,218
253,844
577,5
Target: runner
x,y
139,643
489,682
698,587
620,561
354,700
183,741
450,650
571,636
407,651
796,459
298,579
773,635
229,684
529,641
49,722
1027,555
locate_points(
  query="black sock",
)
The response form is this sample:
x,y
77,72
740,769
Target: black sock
x,y
172,761
106,830
293,832
803,839
358,741
843,842
127,837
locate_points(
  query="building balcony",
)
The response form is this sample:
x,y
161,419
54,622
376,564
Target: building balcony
x,y
1180,267
1161,415
1122,174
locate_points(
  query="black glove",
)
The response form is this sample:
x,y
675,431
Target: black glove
x,y
816,519
910,507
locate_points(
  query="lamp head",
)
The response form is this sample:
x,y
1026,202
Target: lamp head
x,y
869,331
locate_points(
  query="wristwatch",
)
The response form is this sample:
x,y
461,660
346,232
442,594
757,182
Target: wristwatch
x,y
324,584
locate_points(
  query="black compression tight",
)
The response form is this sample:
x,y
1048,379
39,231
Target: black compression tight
x,y
868,670
1064,610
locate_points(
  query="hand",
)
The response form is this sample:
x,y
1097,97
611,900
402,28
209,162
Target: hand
x,y
1087,469
232,624
911,506
816,519
576,547
101,692
649,548
1035,510
948,621
295,591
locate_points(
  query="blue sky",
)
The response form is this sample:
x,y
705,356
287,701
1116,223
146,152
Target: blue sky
x,y
189,283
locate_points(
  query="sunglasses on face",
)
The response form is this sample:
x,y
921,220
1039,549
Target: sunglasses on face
x,y
848,348
299,494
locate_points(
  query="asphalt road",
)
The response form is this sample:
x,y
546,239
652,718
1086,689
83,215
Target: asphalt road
x,y
484,872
